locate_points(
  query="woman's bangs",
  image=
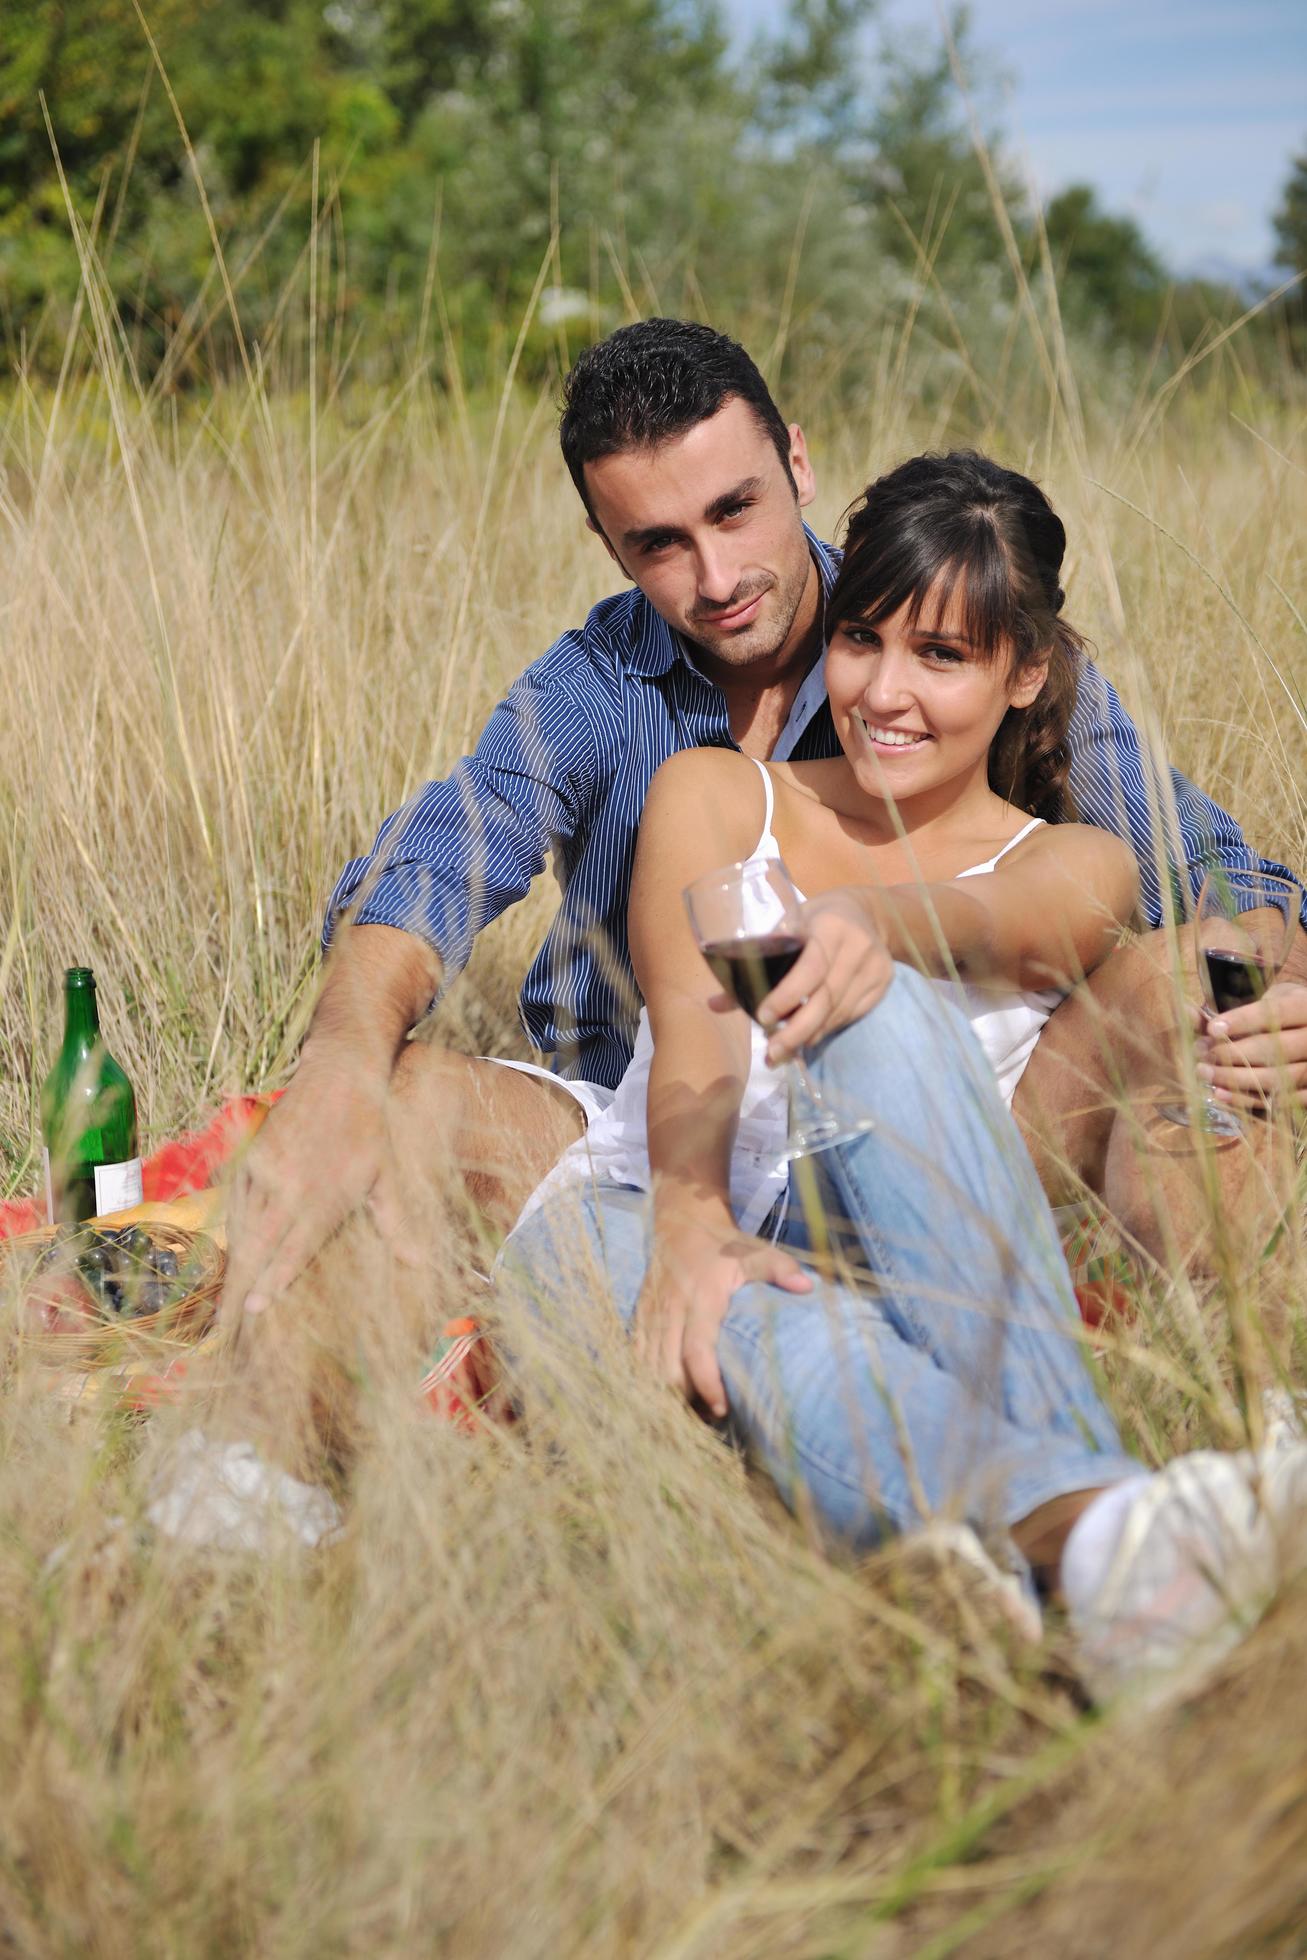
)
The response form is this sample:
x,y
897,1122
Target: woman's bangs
x,y
926,573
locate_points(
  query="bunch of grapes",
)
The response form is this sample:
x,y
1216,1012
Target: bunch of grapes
x,y
126,1274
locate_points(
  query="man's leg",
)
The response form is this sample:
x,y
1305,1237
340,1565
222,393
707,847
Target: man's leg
x,y
471,1138
469,1141
1115,1033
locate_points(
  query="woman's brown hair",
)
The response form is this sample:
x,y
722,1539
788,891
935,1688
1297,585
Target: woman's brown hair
x,y
936,520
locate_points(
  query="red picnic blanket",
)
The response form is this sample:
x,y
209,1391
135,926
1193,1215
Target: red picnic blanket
x,y
187,1163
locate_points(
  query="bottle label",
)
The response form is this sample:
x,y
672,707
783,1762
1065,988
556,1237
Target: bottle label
x,y
49,1189
117,1186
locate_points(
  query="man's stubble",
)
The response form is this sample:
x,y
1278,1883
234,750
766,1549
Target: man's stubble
x,y
766,637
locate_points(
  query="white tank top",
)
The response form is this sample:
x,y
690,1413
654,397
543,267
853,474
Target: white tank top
x,y
615,1148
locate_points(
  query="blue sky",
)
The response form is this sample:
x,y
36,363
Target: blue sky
x,y
1186,116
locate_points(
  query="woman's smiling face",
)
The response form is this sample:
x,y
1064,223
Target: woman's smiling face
x,y
915,704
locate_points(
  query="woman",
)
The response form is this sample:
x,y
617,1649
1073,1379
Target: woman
x,y
930,845
951,678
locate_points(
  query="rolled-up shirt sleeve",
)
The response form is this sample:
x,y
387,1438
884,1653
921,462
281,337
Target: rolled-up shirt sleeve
x,y
1116,786
462,850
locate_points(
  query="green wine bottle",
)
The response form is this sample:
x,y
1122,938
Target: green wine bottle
x,y
88,1117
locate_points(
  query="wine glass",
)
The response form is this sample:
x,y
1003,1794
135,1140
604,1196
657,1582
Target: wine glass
x,y
1243,929
748,920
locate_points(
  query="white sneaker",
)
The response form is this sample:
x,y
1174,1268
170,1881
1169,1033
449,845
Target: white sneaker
x,y
1201,1549
223,1496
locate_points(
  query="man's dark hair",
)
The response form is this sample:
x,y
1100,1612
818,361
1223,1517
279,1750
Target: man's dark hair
x,y
651,382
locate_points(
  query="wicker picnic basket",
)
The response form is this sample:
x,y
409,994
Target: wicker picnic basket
x,y
103,1339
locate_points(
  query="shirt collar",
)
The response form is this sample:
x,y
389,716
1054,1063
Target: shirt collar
x,y
810,698
655,647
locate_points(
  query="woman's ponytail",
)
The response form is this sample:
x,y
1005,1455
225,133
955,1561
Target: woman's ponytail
x,y
1030,757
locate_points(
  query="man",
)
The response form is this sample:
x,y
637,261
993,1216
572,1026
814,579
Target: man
x,y
695,487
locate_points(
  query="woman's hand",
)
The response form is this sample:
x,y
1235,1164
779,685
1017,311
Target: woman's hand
x,y
698,1265
841,974
1258,1052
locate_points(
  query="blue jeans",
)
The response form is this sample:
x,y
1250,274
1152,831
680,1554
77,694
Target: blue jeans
x,y
952,1380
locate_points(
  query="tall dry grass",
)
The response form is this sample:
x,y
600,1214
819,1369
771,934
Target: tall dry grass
x,y
576,1689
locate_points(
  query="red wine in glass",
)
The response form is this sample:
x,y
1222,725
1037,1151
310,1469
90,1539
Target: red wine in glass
x,y
747,919
749,968
1233,979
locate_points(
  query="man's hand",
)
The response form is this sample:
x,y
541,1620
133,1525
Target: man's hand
x,y
1258,1052
841,974
322,1150
315,1160
697,1267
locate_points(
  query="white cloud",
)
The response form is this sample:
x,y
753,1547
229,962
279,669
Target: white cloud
x,y
1224,216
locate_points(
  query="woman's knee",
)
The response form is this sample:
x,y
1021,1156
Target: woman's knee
x,y
912,1023
914,1061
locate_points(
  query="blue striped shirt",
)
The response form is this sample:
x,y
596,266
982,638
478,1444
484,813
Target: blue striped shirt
x,y
564,766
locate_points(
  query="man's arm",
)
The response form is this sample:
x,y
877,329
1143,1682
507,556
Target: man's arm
x,y
1262,1048
443,867
1258,1052
1115,785
321,1150
464,849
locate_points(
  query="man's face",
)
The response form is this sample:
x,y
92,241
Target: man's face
x,y
708,527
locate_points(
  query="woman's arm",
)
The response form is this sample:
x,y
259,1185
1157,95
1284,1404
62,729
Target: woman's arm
x,y
1044,917
698,814
701,1057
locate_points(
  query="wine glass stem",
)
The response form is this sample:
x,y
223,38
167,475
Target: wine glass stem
x,y
810,1089
1217,1118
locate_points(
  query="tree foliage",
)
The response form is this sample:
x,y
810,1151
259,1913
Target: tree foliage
x,y
460,151
1108,275
1290,219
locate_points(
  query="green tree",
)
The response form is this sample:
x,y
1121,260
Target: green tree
x,y
257,85
927,189
811,81
89,62
623,115
681,176
1290,219
1107,273
419,49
